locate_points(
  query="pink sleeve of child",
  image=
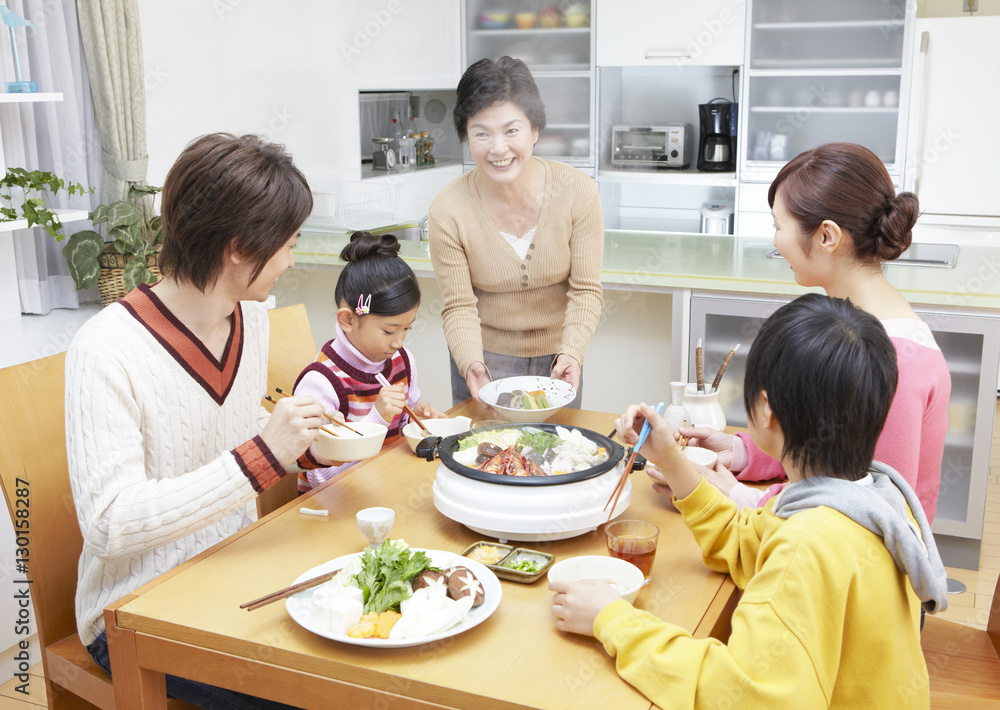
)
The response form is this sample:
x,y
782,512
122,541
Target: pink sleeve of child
x,y
760,466
413,391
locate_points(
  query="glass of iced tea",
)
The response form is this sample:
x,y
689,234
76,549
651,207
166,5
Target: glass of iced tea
x,y
634,541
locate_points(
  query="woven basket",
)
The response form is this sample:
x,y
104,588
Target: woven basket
x,y
110,283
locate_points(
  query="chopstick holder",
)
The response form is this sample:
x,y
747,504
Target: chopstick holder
x,y
620,486
385,383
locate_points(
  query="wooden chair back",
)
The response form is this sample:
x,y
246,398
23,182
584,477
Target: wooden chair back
x,y
35,478
963,662
291,348
36,486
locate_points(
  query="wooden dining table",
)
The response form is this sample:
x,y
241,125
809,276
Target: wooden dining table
x,y
189,623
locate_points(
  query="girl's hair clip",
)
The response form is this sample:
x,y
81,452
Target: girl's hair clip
x,y
364,305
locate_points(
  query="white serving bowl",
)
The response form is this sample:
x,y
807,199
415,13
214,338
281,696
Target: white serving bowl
x,y
437,427
348,446
558,392
701,456
610,569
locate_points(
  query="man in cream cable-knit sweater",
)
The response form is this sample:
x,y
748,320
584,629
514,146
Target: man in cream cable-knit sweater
x,y
168,445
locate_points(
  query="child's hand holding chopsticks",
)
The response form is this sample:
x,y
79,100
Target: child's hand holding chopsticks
x,y
660,448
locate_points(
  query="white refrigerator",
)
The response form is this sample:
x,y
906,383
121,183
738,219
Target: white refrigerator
x,y
953,143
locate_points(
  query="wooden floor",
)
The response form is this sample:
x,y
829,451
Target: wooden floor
x,y
970,608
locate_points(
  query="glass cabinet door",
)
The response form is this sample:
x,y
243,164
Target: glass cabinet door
x,y
971,347
557,44
821,72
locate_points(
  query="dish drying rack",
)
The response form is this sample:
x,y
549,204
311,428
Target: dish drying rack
x,y
355,206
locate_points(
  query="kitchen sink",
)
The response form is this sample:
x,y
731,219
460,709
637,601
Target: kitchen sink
x,y
940,255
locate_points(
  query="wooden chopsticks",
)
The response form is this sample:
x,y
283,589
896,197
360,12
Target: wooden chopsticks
x,y
722,368
332,419
288,591
413,415
699,367
269,398
620,486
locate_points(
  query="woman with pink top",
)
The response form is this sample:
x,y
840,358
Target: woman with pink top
x,y
837,218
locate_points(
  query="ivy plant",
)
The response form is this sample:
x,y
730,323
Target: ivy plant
x,y
38,186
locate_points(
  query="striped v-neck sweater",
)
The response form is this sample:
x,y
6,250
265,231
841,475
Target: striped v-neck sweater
x,y
162,440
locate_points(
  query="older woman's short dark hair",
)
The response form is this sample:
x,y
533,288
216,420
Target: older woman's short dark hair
x,y
829,370
226,190
489,82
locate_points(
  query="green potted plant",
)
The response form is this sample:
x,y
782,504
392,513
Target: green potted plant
x,y
130,258
116,267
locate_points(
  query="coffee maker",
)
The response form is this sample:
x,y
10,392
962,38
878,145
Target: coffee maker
x,y
716,147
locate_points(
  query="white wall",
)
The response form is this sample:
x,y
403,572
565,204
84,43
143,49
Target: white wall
x,y
252,66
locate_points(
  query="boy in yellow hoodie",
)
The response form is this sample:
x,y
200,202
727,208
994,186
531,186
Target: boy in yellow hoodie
x,y
833,570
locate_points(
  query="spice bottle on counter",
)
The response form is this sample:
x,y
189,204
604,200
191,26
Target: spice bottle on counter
x,y
428,145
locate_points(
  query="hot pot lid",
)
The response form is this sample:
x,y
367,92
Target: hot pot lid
x,y
447,446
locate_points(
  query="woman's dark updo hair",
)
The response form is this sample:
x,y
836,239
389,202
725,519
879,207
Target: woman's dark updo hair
x,y
847,184
375,270
487,83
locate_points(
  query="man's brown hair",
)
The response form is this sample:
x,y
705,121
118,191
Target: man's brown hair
x,y
226,190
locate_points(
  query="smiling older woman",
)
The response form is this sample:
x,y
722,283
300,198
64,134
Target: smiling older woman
x,y
516,243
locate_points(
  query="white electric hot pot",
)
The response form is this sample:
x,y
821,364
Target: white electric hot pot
x,y
530,508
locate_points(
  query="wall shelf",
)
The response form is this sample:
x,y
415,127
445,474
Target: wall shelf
x,y
845,25
64,217
30,98
825,109
670,177
535,31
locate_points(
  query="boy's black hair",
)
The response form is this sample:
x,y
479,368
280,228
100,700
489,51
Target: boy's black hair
x,y
375,274
829,370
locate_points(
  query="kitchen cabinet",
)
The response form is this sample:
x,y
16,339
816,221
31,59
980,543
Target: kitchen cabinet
x,y
816,73
670,32
561,59
970,342
950,137
402,45
820,72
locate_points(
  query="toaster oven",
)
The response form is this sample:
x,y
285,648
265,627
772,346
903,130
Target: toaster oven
x,y
667,146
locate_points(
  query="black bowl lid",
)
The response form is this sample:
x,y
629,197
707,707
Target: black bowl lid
x,y
449,445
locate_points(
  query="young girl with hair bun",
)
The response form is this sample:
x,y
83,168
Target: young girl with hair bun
x,y
377,296
837,219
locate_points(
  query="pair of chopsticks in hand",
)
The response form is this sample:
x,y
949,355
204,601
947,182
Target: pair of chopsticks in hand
x,y
282,393
699,368
620,486
413,415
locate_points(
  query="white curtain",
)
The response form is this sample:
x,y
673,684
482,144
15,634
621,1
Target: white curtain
x,y
57,136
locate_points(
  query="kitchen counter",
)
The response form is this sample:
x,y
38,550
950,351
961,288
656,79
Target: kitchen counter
x,y
661,261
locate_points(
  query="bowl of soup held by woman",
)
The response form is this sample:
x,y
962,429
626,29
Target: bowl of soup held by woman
x,y
527,398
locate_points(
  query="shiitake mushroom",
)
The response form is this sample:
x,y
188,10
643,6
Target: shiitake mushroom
x,y
489,449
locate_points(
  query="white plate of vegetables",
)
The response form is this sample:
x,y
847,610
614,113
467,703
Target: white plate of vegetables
x,y
386,585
